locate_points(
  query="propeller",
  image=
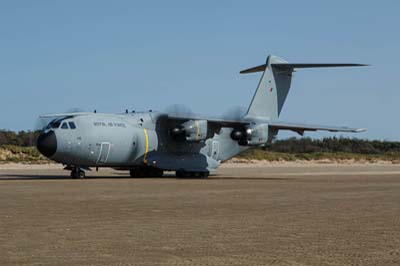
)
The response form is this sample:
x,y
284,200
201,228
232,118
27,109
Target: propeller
x,y
41,123
234,113
180,109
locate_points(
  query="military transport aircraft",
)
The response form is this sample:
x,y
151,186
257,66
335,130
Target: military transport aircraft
x,y
149,143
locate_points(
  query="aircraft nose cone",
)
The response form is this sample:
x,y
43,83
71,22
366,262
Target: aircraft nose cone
x,y
47,143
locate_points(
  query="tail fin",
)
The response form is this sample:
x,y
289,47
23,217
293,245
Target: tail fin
x,y
274,85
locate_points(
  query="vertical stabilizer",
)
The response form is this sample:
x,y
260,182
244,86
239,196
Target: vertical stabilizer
x,y
274,85
272,89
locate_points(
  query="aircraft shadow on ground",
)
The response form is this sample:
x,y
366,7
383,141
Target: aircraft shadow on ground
x,y
5,177
17,177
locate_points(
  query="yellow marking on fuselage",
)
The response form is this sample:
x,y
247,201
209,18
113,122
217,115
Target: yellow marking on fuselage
x,y
147,145
197,129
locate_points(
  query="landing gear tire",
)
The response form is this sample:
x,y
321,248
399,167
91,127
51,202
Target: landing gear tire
x,y
204,174
191,174
179,173
154,172
81,174
133,173
78,174
146,172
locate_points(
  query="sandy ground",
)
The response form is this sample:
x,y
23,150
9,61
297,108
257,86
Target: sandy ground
x,y
245,215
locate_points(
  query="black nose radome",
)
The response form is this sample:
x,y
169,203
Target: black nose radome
x,y
47,143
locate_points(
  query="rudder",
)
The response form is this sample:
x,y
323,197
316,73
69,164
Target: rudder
x,y
272,89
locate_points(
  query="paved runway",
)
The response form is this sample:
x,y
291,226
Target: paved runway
x,y
244,215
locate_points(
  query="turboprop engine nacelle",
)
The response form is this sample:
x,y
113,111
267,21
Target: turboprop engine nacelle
x,y
192,130
253,135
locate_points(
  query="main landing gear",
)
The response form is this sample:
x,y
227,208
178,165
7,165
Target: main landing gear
x,y
192,174
77,173
146,172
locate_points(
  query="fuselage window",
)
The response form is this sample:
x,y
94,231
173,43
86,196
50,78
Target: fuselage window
x,y
64,126
72,125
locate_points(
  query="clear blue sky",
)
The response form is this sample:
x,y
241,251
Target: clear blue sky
x,y
113,55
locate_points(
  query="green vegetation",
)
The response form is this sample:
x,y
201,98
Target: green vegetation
x,y
21,138
335,145
329,149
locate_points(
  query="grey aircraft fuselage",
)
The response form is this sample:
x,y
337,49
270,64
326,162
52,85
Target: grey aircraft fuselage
x,y
149,143
135,139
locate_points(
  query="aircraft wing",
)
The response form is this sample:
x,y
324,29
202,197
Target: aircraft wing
x,y
222,122
279,125
300,128
63,115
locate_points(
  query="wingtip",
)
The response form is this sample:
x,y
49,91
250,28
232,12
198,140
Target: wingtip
x,y
359,130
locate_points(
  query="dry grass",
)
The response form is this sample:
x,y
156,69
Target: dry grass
x,y
338,157
16,154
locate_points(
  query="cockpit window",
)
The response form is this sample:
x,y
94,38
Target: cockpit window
x,y
55,124
71,125
64,126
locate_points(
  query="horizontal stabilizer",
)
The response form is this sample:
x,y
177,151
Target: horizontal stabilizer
x,y
254,69
293,66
